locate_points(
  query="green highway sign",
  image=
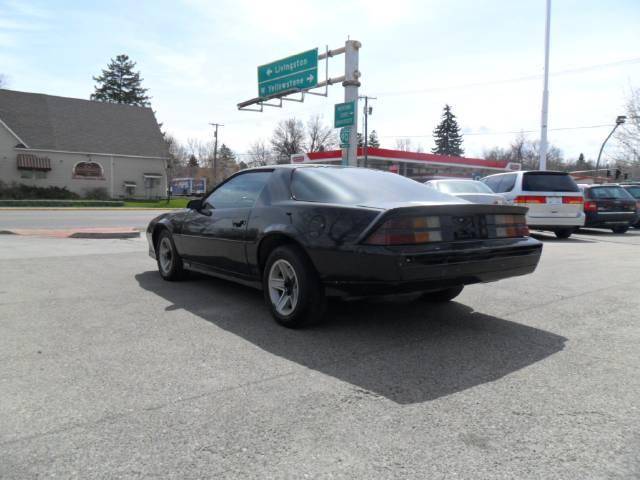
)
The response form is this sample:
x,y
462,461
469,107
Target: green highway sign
x,y
297,71
344,135
345,114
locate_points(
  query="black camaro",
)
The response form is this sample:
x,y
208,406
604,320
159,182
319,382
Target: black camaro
x,y
301,233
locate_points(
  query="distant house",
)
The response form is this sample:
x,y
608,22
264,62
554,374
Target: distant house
x,y
82,145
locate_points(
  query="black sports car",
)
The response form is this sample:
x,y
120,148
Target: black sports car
x,y
304,232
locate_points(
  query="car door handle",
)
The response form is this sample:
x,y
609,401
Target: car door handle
x,y
238,223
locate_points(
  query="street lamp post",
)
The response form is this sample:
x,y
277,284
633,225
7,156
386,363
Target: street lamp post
x,y
620,119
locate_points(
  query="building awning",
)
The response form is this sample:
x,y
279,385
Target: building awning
x,y
27,161
152,175
130,184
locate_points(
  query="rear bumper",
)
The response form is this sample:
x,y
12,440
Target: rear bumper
x,y
610,219
545,223
385,272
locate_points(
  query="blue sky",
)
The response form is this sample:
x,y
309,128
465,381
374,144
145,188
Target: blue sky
x,y
198,58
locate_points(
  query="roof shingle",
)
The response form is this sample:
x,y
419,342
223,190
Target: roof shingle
x,y
71,124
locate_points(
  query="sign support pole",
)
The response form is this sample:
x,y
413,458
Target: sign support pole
x,y
351,84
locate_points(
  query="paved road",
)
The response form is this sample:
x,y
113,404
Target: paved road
x,y
61,219
106,371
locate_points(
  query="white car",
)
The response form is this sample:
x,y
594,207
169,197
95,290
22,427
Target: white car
x,y
471,190
555,202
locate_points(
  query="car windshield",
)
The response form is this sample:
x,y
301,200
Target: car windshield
x,y
548,182
463,186
609,193
359,186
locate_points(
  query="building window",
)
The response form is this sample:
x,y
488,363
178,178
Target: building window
x,y
37,174
88,170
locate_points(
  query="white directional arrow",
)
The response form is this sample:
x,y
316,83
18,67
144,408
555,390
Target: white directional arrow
x,y
310,77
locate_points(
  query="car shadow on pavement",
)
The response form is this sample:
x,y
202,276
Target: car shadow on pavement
x,y
550,237
408,352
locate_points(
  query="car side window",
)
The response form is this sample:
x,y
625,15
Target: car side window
x,y
239,192
507,183
492,182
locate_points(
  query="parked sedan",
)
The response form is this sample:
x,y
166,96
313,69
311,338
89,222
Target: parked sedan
x,y
301,233
471,190
608,206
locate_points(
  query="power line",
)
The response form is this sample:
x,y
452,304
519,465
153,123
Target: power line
x,y
525,78
503,133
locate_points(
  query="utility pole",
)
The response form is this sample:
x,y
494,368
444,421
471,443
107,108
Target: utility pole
x,y
351,83
215,152
367,112
545,93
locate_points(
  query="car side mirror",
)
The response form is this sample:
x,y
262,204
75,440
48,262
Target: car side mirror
x,y
195,204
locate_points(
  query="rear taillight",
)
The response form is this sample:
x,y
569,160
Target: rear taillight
x,y
530,199
572,200
510,225
638,206
590,206
406,231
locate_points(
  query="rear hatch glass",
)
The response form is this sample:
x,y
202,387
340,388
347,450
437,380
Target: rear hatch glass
x,y
548,182
610,193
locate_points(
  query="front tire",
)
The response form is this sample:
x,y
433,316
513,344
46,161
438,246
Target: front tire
x,y
445,295
292,288
563,233
169,261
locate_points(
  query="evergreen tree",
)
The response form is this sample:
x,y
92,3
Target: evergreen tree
x,y
360,140
120,84
373,139
193,161
447,135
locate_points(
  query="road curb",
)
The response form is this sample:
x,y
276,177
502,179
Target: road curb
x,y
87,233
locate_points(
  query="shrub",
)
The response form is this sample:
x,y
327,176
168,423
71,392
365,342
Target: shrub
x,y
98,193
20,191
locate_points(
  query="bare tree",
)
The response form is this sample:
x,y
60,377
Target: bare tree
x,y
3,80
287,139
404,144
320,137
628,135
259,154
527,152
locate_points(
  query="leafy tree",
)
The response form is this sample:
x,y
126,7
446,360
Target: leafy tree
x,y
119,83
447,135
373,139
288,138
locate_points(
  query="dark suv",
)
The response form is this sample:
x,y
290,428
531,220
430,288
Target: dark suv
x,y
608,206
634,190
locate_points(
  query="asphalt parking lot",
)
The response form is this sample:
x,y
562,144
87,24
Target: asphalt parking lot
x,y
106,371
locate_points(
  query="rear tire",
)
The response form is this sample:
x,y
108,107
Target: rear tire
x,y
620,229
445,295
292,288
564,233
169,261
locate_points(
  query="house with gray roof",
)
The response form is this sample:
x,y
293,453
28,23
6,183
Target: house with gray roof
x,y
47,140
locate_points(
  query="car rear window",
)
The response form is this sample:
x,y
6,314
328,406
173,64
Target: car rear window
x,y
634,191
616,193
359,186
548,182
